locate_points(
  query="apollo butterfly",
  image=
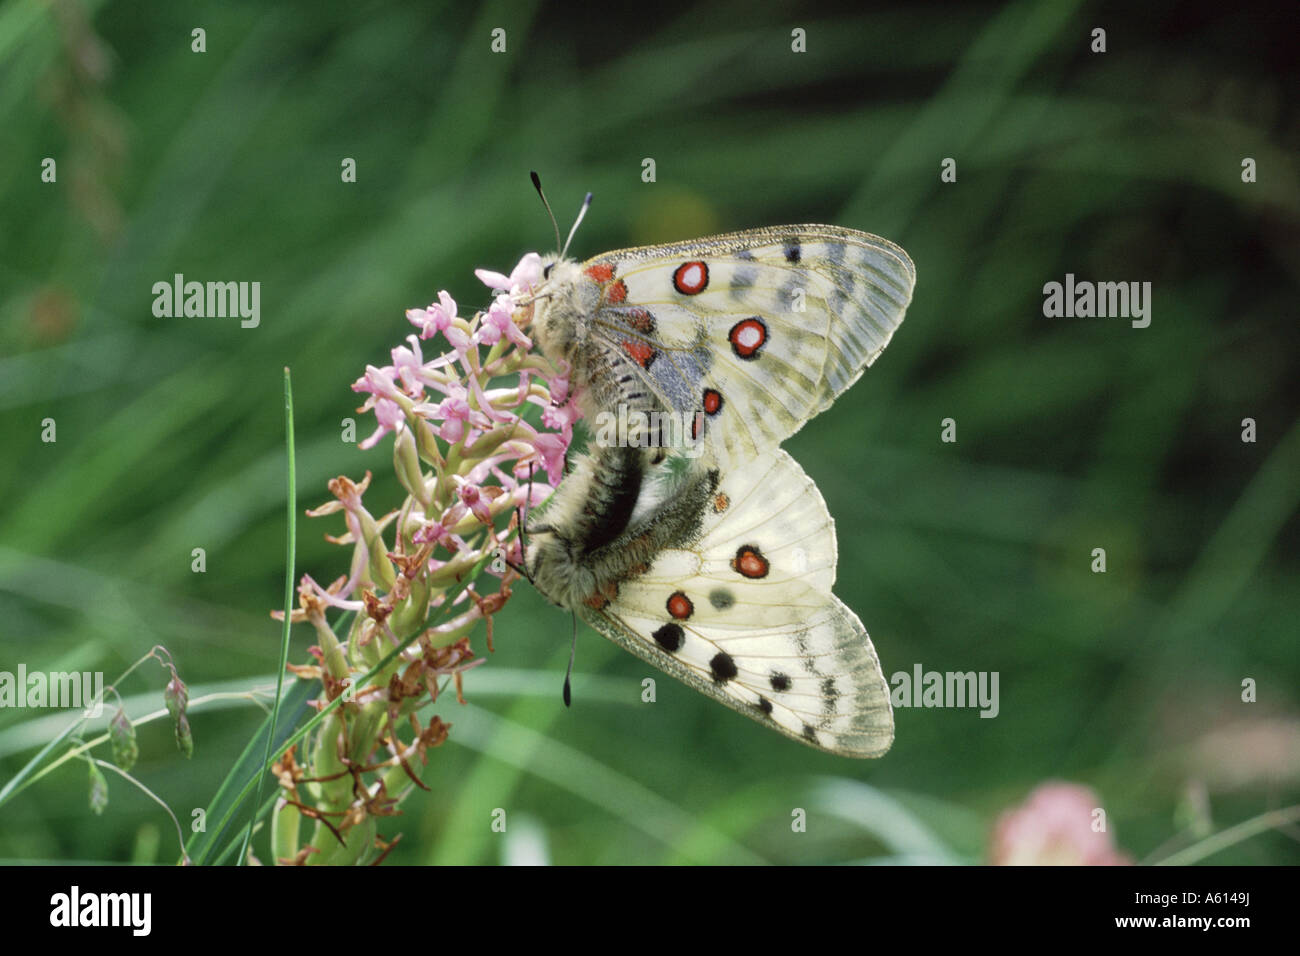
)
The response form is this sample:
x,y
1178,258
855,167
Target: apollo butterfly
x,y
718,569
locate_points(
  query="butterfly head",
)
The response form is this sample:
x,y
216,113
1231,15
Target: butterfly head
x,y
562,308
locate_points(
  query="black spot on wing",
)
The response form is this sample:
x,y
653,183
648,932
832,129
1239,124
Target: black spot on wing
x,y
670,637
723,667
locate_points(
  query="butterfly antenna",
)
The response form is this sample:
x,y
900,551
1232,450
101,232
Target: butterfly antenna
x,y
537,184
586,204
568,675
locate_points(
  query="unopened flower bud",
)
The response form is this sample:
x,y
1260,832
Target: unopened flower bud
x,y
121,734
177,696
184,739
98,790
475,501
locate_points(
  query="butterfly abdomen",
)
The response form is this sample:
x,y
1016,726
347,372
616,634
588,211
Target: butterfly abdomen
x,y
614,488
609,519
674,522
592,508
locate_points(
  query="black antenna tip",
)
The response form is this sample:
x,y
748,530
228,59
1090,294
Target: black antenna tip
x,y
587,201
568,672
537,180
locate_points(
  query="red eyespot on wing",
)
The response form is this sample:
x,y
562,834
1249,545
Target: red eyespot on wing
x,y
691,277
748,336
712,401
641,320
750,562
616,293
642,353
721,503
680,606
601,272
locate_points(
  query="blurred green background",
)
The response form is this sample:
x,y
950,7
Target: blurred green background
x,y
1072,433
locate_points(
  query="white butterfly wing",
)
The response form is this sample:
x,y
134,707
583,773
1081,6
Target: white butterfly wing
x,y
746,615
760,330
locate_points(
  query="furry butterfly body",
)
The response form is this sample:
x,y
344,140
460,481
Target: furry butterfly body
x,y
743,336
724,581
608,520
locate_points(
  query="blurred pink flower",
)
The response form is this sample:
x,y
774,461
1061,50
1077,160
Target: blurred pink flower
x,y
561,418
390,418
560,385
1055,827
454,412
551,449
526,273
499,322
436,318
407,364
378,382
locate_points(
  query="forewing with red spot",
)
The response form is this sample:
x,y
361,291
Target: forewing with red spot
x,y
767,325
